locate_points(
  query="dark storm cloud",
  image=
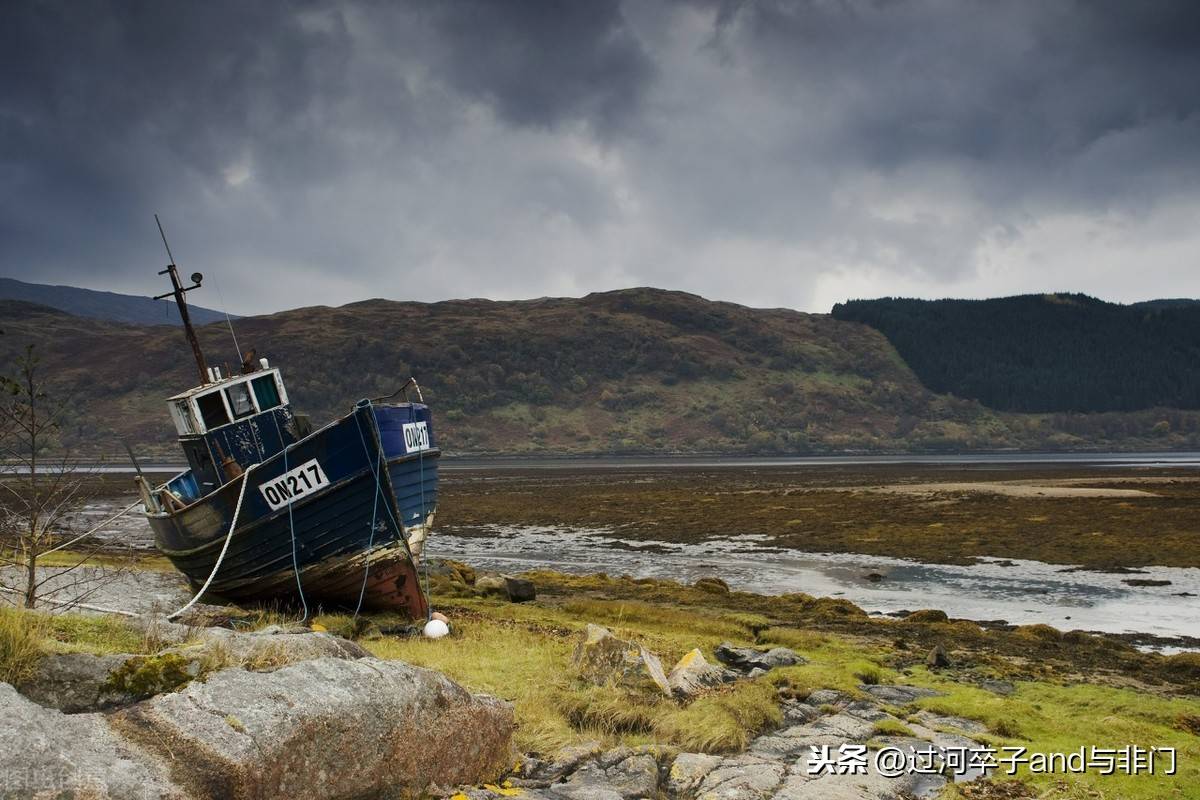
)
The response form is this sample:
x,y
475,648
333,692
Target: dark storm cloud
x,y
543,61
324,152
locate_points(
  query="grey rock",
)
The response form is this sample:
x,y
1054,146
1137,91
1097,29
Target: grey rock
x,y
520,590
484,793
277,630
50,754
693,674
799,713
78,682
589,791
687,771
538,772
516,590
492,584
866,710
937,657
898,695
602,658
75,682
269,648
826,697
745,659
832,727
799,785
742,779
931,720
625,774
780,745
323,728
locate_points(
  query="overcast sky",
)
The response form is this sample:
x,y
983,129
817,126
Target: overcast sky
x,y
773,154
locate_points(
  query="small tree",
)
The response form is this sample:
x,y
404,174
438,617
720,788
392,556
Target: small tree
x,y
39,491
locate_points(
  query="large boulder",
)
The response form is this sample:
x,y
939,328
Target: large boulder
x,y
323,728
517,590
77,682
693,674
747,659
602,658
74,682
269,648
520,590
47,753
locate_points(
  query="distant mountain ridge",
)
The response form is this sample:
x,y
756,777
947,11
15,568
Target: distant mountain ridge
x,y
1045,353
110,306
630,371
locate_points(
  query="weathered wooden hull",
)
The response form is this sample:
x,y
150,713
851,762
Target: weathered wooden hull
x,y
347,539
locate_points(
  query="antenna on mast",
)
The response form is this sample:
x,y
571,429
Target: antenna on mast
x,y
178,291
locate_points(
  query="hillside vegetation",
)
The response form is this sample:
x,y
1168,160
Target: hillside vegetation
x,y
1060,352
631,371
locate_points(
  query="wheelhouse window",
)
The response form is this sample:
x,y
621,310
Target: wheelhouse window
x,y
212,410
239,400
266,392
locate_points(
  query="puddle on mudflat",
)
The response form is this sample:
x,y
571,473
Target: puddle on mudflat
x,y
1019,592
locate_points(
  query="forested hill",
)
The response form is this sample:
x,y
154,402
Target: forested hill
x,y
632,371
1059,352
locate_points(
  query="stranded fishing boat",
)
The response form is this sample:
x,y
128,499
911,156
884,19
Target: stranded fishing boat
x,y
271,509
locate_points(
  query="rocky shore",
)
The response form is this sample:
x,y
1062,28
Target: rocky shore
x,y
556,687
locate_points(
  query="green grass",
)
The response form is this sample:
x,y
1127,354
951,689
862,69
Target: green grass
x,y
891,727
525,667
85,633
522,653
1050,718
25,636
21,636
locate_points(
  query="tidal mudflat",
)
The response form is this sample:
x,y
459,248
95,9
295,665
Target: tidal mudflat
x,y
1113,549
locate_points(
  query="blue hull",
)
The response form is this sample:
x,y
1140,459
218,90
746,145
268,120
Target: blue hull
x,y
352,536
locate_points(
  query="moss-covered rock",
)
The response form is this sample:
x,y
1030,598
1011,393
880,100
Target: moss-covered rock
x,y
140,677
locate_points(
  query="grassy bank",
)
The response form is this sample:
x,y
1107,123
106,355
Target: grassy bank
x,y
1067,690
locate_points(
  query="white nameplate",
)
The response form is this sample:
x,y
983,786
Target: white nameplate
x,y
293,485
416,437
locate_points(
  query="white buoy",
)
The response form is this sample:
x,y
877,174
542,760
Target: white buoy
x,y
436,629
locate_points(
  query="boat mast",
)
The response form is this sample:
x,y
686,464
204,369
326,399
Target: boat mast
x,y
178,291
